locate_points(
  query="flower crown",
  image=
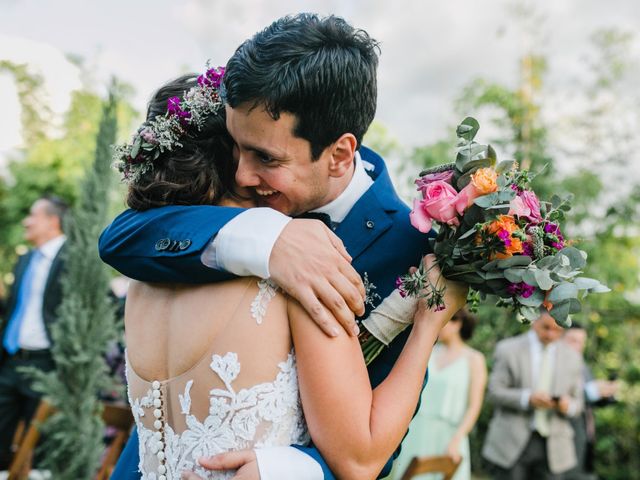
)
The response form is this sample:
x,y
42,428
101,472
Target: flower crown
x,y
163,132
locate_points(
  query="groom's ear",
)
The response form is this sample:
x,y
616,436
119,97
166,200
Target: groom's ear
x,y
342,154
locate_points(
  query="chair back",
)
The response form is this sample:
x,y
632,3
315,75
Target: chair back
x,y
115,415
419,465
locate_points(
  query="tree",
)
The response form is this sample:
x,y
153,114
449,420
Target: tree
x,y
74,434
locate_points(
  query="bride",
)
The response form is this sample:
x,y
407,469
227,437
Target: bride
x,y
212,368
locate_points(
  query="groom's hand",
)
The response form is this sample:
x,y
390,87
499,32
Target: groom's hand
x,y
310,263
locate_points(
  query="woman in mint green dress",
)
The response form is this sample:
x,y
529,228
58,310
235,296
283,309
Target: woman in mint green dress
x,y
451,401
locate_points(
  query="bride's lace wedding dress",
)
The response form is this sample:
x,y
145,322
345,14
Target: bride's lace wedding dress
x,y
208,409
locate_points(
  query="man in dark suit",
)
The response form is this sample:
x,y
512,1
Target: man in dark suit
x,y
299,97
31,309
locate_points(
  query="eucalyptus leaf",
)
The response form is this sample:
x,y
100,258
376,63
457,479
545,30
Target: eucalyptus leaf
x,y
486,201
468,129
529,278
505,166
467,234
560,312
563,291
530,313
514,275
135,148
577,258
543,279
515,261
471,166
535,300
585,283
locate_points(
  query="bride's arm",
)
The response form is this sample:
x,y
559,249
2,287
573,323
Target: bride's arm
x,y
357,429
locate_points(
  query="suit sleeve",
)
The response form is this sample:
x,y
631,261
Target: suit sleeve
x,y
127,466
165,244
501,390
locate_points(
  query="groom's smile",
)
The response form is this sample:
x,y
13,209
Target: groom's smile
x,y
277,165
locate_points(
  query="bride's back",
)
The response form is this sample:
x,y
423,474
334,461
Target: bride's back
x,y
169,328
210,369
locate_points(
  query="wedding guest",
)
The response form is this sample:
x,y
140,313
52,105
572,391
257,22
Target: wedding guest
x,y
451,401
31,309
536,387
597,393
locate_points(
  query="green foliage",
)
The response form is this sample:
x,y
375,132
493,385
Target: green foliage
x,y
608,225
74,434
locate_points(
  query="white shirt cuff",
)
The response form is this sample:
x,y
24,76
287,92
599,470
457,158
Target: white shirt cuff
x,y
243,246
287,463
591,391
524,399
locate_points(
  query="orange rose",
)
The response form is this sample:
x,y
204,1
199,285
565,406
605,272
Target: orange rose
x,y
504,227
484,180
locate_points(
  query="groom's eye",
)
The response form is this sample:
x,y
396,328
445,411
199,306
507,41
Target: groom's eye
x,y
264,158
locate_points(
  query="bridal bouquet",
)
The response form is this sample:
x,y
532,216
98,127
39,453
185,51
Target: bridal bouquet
x,y
496,235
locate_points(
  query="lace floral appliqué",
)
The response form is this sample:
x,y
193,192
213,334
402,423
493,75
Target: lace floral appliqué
x,y
266,414
259,305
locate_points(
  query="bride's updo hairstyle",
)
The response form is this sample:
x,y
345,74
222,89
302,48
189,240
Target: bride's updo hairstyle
x,y
199,172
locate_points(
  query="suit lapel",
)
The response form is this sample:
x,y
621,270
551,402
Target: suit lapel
x,y
526,367
56,265
370,216
366,221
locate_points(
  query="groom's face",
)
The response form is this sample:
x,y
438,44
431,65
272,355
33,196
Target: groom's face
x,y
276,165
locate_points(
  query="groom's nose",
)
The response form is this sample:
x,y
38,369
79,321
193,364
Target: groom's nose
x,y
245,174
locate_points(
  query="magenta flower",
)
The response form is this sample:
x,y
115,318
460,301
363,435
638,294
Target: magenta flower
x,y
557,239
527,249
211,78
400,287
505,236
521,289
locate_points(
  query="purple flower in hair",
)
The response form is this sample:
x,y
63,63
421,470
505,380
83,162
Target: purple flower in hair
x,y
211,78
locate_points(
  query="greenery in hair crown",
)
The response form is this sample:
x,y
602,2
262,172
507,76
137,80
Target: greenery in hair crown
x,y
163,132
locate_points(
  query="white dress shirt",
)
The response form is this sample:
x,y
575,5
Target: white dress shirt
x,y
33,335
243,247
535,348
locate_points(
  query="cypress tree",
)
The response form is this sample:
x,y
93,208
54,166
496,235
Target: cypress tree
x,y
73,436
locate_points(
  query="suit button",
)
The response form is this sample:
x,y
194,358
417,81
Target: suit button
x,y
370,224
184,244
163,244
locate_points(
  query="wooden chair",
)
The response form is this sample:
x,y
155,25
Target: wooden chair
x,y
420,465
116,415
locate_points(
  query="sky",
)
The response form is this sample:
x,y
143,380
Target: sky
x,y
429,49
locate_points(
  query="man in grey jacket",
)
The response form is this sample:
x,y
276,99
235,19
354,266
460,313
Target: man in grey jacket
x,y
536,386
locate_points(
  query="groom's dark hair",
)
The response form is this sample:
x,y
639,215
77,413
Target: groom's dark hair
x,y
320,69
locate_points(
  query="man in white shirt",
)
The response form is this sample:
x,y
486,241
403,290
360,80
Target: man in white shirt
x,y
31,309
536,386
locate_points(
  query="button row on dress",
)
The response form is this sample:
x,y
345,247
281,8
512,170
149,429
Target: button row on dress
x,y
158,425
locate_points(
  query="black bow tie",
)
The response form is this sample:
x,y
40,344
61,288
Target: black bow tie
x,y
323,217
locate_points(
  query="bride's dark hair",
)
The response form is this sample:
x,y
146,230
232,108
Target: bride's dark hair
x,y
199,172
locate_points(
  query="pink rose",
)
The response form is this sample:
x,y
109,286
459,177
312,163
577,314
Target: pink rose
x,y
526,205
425,180
437,204
465,198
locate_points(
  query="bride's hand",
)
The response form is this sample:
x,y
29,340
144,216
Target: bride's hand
x,y
455,295
244,461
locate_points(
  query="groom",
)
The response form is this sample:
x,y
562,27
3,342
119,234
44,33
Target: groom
x,y
299,96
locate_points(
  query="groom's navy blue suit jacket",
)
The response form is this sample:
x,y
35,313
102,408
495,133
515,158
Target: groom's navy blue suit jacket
x,y
376,233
